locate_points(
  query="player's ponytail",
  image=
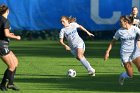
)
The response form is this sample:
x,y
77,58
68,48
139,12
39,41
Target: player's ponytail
x,y
3,9
70,19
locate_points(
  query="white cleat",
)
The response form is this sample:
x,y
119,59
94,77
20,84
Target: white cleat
x,y
92,72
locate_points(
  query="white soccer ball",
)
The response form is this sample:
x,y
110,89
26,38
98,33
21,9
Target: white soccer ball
x,y
71,73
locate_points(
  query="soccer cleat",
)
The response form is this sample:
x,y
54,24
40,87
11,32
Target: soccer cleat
x,y
13,87
121,80
4,87
92,72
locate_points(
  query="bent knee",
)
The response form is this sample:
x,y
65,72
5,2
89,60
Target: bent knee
x,y
79,57
16,64
12,68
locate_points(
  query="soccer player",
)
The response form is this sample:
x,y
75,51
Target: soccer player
x,y
129,50
134,14
136,21
76,44
7,55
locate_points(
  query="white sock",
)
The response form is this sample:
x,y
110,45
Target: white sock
x,y
124,75
86,64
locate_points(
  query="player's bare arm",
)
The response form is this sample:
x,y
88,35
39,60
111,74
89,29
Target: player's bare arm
x,y
109,49
85,30
11,35
65,45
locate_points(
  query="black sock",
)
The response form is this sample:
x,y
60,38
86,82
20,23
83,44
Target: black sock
x,y
11,80
4,77
7,75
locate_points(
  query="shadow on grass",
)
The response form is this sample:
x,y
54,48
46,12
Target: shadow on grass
x,y
53,49
102,83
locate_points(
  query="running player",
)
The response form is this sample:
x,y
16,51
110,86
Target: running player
x,y
76,44
7,55
129,50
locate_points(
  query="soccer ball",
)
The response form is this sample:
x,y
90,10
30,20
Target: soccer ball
x,y
71,73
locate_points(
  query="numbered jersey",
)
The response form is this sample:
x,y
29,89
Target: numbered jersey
x,y
71,34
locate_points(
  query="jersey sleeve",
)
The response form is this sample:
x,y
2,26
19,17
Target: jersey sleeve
x,y
6,24
61,34
116,36
75,24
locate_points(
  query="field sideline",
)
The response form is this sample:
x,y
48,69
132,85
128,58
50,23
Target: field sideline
x,y
43,65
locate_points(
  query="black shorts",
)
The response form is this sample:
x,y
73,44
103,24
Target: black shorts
x,y
4,50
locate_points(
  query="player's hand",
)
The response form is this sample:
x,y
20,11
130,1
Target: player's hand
x,y
67,47
18,38
90,34
106,56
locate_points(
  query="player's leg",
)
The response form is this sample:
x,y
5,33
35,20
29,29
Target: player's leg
x,y
11,81
83,60
137,63
8,72
127,74
8,75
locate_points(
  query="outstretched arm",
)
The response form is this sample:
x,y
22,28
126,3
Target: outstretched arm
x,y
82,28
63,44
109,49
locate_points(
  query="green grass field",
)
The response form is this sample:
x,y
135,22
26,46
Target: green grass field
x,y
43,66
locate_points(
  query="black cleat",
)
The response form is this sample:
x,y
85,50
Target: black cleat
x,y
13,87
4,87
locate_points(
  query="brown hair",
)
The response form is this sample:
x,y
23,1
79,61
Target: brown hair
x,y
127,18
70,19
134,7
3,9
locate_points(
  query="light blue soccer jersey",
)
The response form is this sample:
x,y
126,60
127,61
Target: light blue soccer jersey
x,y
128,38
71,35
128,49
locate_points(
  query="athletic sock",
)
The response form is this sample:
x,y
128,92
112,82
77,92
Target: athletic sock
x,y
124,75
7,75
4,77
11,80
86,64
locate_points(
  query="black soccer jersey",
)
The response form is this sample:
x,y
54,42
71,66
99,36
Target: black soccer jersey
x,y
137,19
4,24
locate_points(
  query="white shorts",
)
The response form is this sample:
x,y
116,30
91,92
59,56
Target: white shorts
x,y
136,53
74,49
129,57
126,57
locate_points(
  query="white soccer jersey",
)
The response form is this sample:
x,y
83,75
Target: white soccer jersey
x,y
71,35
128,38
